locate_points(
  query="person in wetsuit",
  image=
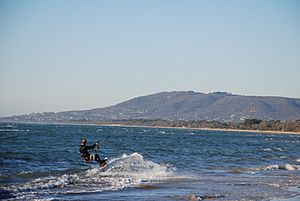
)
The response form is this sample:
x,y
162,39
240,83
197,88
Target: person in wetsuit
x,y
87,156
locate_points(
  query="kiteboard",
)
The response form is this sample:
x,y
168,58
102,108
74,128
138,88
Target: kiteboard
x,y
103,162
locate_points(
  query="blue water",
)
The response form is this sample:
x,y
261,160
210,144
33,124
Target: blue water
x,y
42,162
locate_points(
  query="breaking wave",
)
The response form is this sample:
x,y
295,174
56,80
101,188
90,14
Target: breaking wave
x,y
273,149
14,130
285,167
122,172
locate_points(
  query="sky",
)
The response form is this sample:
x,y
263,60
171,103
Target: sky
x,y
75,55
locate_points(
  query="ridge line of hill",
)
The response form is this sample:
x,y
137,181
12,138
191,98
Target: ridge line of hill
x,y
181,105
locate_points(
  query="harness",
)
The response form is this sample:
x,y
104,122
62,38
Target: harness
x,y
84,153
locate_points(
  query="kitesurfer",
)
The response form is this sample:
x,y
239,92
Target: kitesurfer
x,y
90,157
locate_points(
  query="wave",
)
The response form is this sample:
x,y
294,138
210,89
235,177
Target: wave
x,y
128,170
13,130
30,175
272,149
197,197
285,167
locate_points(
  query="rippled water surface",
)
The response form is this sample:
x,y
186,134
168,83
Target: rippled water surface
x,y
42,162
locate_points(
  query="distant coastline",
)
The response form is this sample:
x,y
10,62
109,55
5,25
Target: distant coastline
x,y
206,129
248,125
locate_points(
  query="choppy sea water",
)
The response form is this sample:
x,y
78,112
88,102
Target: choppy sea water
x,y
42,162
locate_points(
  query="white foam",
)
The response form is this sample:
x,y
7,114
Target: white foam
x,y
135,166
272,149
121,172
13,130
266,149
25,172
286,167
46,183
292,141
269,167
129,171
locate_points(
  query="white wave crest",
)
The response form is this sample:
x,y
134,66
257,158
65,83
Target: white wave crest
x,y
287,167
272,149
13,130
121,172
136,166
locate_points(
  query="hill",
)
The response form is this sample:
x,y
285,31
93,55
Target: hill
x,y
182,105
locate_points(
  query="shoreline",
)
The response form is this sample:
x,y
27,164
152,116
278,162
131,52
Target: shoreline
x,y
208,129
253,131
169,127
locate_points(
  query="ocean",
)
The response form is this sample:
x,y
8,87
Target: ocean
x,y
42,162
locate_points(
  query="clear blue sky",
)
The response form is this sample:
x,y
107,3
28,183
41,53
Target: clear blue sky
x,y
72,55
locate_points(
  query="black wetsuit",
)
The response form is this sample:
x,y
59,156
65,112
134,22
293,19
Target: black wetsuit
x,y
84,151
87,156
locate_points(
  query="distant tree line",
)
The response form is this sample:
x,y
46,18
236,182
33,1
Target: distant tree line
x,y
247,124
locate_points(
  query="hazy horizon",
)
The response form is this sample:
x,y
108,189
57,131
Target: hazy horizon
x,y
76,55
